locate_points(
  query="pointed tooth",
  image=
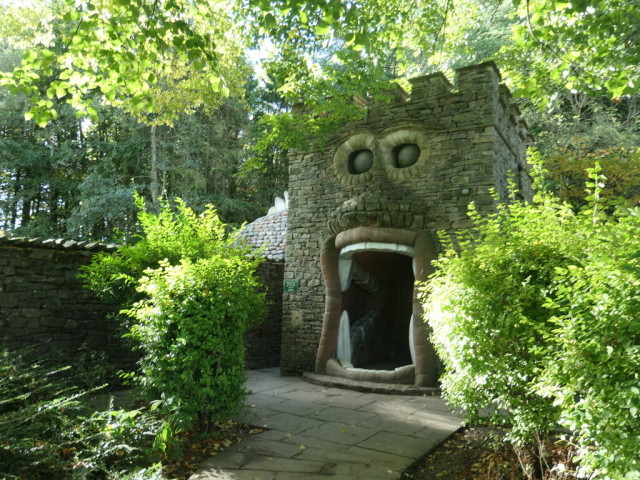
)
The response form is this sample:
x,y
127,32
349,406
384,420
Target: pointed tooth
x,y
345,269
412,347
343,351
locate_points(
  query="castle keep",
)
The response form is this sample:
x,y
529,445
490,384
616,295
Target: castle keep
x,y
364,212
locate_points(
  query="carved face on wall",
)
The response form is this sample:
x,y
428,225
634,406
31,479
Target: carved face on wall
x,y
375,252
376,168
373,198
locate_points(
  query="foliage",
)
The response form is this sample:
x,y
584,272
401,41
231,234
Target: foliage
x,y
190,292
41,168
264,174
48,428
620,165
485,305
536,321
190,329
75,179
173,234
593,376
173,56
121,48
586,46
182,131
577,132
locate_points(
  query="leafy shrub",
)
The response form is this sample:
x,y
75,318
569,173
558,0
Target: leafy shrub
x,y
191,331
189,291
536,320
485,306
173,234
48,428
592,369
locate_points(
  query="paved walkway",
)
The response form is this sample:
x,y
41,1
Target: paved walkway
x,y
319,432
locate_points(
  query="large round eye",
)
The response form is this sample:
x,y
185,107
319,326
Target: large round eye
x,y
406,155
360,161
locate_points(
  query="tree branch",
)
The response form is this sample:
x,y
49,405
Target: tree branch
x,y
444,21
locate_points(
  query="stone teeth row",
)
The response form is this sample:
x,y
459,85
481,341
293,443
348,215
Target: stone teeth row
x,y
351,271
352,219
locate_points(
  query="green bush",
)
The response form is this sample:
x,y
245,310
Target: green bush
x,y
189,291
485,306
173,234
592,368
191,332
49,429
536,318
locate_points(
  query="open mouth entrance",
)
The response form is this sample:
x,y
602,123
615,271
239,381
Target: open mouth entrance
x,y
376,308
369,331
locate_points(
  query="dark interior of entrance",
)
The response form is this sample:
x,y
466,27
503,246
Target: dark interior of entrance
x,y
380,310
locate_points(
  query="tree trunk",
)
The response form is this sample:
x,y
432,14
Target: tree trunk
x,y
154,186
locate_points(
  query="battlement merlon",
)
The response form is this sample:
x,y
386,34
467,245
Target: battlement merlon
x,y
476,98
433,85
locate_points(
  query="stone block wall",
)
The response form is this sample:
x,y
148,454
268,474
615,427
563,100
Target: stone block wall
x,y
44,305
262,340
470,138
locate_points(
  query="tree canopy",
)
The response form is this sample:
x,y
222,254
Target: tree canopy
x,y
136,51
162,96
128,51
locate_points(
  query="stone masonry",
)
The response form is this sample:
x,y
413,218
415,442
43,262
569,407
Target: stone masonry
x,y
470,139
44,305
262,341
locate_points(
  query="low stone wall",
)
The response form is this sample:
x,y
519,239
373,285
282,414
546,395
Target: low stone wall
x,y
43,305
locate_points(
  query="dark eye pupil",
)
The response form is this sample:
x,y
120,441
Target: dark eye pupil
x,y
360,161
407,155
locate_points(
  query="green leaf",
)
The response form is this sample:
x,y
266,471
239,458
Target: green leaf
x,y
322,28
29,56
270,20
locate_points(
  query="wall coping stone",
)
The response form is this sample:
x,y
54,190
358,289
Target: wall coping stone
x,y
56,244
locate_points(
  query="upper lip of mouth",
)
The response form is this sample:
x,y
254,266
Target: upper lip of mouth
x,y
349,218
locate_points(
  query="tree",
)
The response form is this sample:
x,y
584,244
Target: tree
x,y
543,48
192,145
576,131
588,44
119,48
41,169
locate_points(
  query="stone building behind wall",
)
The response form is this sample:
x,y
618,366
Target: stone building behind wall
x,y
364,213
263,339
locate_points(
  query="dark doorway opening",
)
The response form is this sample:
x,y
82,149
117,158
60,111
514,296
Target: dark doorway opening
x,y
379,302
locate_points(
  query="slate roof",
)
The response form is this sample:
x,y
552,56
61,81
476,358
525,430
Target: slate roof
x,y
270,231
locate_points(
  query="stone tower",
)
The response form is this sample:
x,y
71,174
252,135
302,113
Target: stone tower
x,y
364,213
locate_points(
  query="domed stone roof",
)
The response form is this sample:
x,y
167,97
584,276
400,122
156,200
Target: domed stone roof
x,y
269,231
